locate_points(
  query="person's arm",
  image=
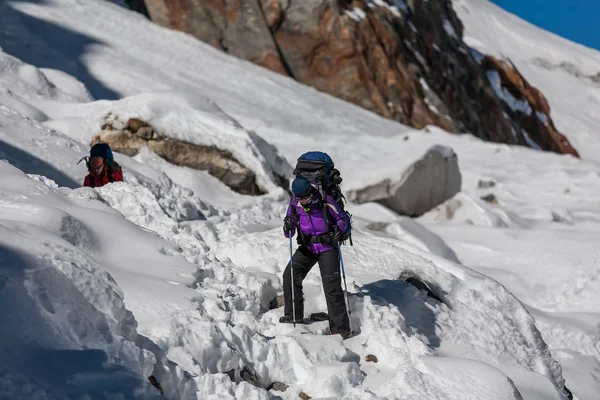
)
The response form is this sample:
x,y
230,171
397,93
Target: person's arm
x,y
86,181
290,220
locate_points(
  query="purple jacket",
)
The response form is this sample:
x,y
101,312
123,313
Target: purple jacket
x,y
312,223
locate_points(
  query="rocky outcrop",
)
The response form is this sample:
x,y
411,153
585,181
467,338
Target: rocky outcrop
x,y
219,163
404,60
427,183
525,105
138,6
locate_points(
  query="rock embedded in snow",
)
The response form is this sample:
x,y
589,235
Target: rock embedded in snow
x,y
154,382
218,163
490,198
485,184
278,386
277,302
414,280
427,183
134,124
249,376
371,358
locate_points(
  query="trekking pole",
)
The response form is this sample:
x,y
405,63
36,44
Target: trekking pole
x,y
292,275
346,288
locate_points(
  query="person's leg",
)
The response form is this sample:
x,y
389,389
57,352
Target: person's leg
x,y
329,264
303,261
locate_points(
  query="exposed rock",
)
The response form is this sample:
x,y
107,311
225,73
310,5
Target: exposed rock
x,y
403,60
485,184
412,279
427,183
145,133
490,198
276,302
278,386
219,163
249,376
528,109
371,358
154,382
304,396
231,374
568,393
245,374
282,182
139,6
134,124
378,226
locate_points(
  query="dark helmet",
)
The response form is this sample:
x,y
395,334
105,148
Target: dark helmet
x,y
301,187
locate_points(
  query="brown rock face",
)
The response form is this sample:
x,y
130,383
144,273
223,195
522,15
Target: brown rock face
x,y
219,163
404,60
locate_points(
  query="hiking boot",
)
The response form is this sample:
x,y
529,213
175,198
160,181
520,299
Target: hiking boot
x,y
287,319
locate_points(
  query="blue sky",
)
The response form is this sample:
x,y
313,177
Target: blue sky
x,y
577,20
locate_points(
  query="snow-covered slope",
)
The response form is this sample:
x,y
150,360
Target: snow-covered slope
x,y
199,265
65,330
567,73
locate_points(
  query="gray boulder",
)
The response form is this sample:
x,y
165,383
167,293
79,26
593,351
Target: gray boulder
x,y
427,183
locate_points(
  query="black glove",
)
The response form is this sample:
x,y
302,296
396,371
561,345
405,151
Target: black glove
x,y
338,235
288,226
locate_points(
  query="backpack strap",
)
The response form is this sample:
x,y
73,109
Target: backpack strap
x,y
113,167
301,236
325,216
92,181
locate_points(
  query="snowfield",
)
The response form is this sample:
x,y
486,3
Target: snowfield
x,y
170,274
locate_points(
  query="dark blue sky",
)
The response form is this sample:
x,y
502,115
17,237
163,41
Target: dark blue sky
x,y
576,20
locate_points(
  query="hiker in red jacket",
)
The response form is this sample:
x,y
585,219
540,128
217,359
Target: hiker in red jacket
x,y
100,173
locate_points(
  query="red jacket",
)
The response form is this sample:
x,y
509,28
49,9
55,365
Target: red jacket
x,y
102,179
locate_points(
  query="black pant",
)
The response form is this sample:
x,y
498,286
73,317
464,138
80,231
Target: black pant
x,y
329,264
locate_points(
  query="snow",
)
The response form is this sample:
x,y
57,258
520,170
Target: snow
x,y
356,14
172,274
70,334
542,117
401,4
450,29
394,9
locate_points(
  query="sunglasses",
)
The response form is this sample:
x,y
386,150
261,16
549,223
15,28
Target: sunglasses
x,y
98,169
306,199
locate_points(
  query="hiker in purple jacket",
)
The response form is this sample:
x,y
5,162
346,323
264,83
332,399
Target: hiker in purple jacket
x,y
320,228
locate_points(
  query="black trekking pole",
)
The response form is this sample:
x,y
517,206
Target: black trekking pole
x,y
345,288
292,275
